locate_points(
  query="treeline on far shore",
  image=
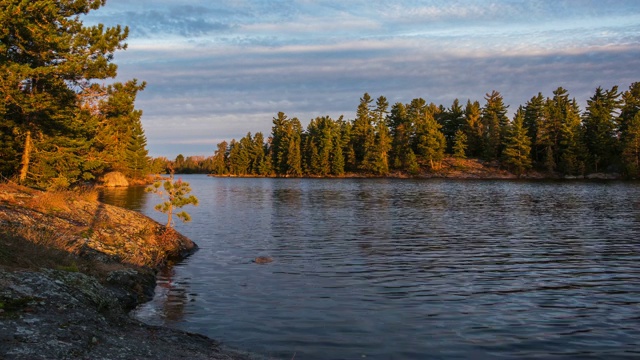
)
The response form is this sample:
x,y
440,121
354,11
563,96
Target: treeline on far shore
x,y
547,134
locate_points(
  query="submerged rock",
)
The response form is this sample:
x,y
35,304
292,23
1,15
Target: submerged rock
x,y
262,260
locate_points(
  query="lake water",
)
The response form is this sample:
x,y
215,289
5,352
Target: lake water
x,y
406,269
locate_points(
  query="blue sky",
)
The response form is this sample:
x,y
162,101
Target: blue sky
x,y
219,69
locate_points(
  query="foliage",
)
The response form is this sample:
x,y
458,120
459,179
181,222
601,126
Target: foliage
x,y
517,145
53,115
546,133
175,196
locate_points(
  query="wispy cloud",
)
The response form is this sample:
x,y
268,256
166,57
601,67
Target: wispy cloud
x,y
219,69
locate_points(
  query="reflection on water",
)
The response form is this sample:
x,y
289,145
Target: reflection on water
x,y
410,269
133,197
171,297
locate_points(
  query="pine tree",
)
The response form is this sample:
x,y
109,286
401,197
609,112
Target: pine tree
x,y
137,155
460,145
363,134
473,128
175,196
631,148
400,130
517,152
600,126
453,119
533,115
430,143
220,159
46,53
494,121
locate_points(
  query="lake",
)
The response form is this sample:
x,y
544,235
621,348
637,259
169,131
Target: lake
x,y
406,269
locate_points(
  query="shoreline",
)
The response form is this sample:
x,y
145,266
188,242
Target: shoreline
x,y
455,169
72,269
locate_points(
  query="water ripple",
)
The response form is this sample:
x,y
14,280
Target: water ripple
x,y
404,269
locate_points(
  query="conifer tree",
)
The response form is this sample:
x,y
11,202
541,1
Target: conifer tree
x,y
473,128
600,126
453,119
220,158
631,147
630,106
400,130
494,121
460,145
175,194
533,114
137,155
363,134
517,152
430,143
45,54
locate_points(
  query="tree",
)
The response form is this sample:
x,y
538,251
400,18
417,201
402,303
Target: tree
x,y
631,147
533,115
517,152
175,196
453,120
137,155
430,143
460,145
286,135
363,134
119,140
473,128
600,126
558,129
46,55
494,121
220,159
400,130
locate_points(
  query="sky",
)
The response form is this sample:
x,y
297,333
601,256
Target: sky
x,y
216,70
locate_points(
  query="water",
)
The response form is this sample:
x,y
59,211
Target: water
x,y
408,269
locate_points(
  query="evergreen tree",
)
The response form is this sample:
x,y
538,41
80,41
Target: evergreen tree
x,y
137,155
400,130
379,157
558,128
453,119
600,126
533,115
363,134
630,106
430,143
473,128
494,121
460,145
517,152
631,147
220,159
46,53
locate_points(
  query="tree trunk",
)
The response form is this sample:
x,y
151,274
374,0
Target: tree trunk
x,y
26,156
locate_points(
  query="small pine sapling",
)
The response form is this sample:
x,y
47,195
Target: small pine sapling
x,y
175,196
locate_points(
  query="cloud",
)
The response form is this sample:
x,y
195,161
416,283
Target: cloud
x,y
219,69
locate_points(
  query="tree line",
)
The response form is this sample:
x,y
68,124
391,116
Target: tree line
x,y
549,134
58,125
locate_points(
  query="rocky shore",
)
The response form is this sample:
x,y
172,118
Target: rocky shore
x,y
72,268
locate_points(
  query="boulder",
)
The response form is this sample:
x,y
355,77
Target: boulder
x,y
114,179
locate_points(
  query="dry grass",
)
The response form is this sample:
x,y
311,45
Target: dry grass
x,y
57,201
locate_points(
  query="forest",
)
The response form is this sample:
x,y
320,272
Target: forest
x,y
548,134
59,124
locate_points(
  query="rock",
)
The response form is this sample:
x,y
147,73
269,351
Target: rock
x,y
603,176
262,260
114,179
